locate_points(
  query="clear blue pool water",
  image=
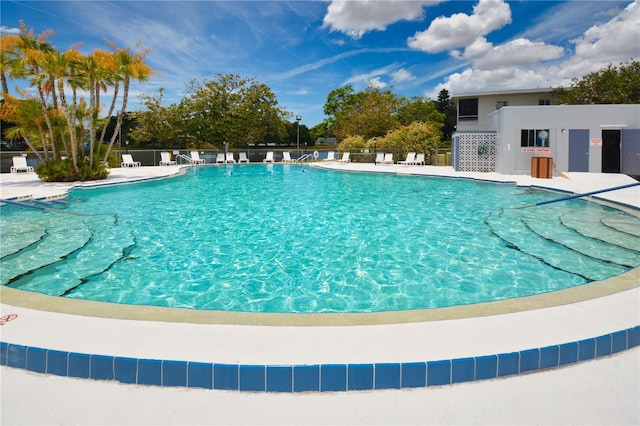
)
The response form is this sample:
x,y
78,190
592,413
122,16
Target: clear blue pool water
x,y
290,238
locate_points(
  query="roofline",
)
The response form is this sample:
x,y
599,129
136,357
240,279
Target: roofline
x,y
507,92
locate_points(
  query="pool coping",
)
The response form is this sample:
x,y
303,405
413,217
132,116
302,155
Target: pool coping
x,y
596,289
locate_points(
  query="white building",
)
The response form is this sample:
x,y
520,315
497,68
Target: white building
x,y
502,132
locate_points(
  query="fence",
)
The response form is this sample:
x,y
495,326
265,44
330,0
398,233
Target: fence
x,y
438,157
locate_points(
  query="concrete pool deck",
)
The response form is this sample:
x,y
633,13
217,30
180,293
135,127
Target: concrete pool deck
x,y
606,390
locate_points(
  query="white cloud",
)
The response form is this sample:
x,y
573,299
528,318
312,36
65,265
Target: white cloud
x,y
460,29
518,52
299,92
402,75
6,30
616,38
367,78
376,83
356,17
520,63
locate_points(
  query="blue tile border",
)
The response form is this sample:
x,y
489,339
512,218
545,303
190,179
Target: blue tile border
x,y
313,378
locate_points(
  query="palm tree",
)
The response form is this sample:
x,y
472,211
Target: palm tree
x,y
128,65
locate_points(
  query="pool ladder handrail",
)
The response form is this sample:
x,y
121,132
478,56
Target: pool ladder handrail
x,y
186,158
305,157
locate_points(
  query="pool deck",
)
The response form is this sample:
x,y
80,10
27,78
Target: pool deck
x,y
602,391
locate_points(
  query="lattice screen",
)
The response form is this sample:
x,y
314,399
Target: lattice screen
x,y
476,152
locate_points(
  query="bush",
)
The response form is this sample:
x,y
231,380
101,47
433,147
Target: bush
x,y
352,143
62,171
416,137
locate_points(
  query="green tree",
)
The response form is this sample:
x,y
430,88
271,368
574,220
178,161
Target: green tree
x,y
158,125
418,109
447,106
367,113
232,109
610,85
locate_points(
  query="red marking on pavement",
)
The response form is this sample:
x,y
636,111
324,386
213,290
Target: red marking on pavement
x,y
6,318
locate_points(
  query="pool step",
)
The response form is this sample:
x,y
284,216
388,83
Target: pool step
x,y
623,235
555,231
58,243
512,229
18,236
623,222
108,244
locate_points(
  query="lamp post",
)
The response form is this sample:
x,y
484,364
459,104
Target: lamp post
x,y
298,118
375,151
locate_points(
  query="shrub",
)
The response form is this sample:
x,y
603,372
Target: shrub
x,y
416,137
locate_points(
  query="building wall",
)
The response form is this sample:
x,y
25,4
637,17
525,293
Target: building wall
x,y
490,102
559,120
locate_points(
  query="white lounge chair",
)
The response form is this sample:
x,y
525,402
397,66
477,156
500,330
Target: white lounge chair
x,y
195,158
166,159
230,158
345,158
243,158
127,161
388,158
331,156
269,157
419,159
20,165
220,158
410,160
286,157
379,157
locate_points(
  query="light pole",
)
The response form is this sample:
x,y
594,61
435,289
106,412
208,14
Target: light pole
x,y
298,118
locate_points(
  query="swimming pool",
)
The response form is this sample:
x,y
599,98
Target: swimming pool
x,y
280,238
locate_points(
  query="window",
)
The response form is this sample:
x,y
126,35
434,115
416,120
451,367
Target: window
x,y
468,109
544,102
535,138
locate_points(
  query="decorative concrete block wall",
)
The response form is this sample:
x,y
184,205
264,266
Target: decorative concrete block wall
x,y
475,152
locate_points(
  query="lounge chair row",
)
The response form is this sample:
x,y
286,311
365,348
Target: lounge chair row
x,y
331,156
165,159
412,159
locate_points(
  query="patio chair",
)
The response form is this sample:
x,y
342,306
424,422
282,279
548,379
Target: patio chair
x,y
195,158
410,160
166,159
419,159
331,156
127,161
345,158
379,157
243,158
20,165
388,158
286,157
230,159
220,158
269,157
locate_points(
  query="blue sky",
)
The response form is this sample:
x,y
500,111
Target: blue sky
x,y
305,49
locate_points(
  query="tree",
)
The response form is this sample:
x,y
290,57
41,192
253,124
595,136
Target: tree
x,y
66,121
445,105
158,125
232,109
610,85
418,109
367,113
